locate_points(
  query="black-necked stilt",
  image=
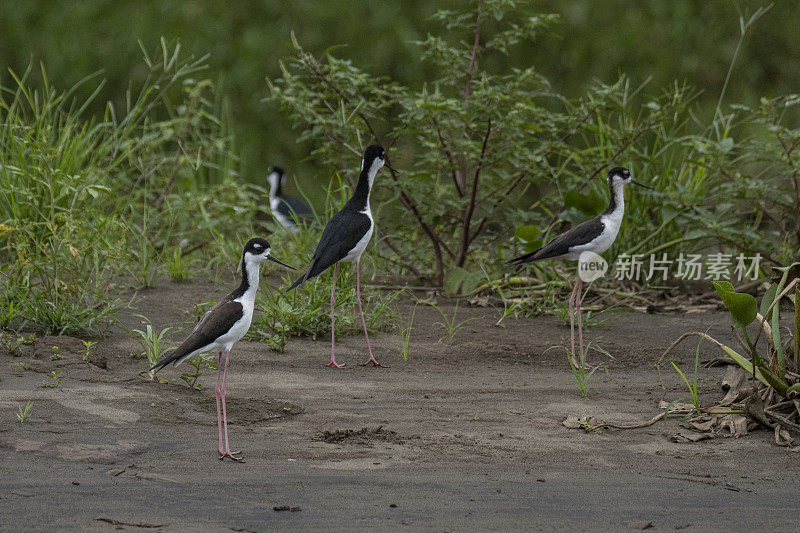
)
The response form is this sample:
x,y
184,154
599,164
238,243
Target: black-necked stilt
x,y
286,209
595,235
222,326
345,238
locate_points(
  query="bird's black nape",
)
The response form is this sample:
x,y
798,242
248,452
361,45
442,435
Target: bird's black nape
x,y
622,172
276,168
373,152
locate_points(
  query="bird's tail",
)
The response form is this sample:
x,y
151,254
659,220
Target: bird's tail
x,y
298,282
527,258
304,277
174,358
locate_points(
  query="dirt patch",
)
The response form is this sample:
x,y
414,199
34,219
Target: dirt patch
x,y
464,435
364,436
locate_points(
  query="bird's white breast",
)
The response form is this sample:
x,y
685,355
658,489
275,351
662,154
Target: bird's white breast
x,y
355,253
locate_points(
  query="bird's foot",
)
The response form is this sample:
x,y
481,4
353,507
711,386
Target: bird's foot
x,y
232,455
372,361
334,363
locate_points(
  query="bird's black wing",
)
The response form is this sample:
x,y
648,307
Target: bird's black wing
x,y
215,323
295,209
560,245
339,237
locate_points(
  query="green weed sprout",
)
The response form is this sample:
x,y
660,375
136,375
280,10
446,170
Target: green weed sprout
x,y
151,340
24,412
57,379
406,333
694,389
449,324
200,363
88,346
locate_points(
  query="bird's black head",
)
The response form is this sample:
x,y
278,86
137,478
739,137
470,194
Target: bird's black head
x,y
619,173
374,158
277,169
621,176
257,250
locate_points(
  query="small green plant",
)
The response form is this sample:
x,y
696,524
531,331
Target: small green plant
x,y
88,347
694,389
199,363
24,412
57,378
178,270
13,342
152,342
406,333
582,371
449,324
55,356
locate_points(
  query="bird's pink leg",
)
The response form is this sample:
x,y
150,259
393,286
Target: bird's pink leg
x,y
371,359
217,395
227,452
333,331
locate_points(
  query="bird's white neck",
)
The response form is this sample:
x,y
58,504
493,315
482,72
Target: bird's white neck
x,y
251,270
619,198
274,184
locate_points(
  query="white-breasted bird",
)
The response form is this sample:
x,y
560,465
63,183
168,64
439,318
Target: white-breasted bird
x,y
287,210
222,327
595,235
346,236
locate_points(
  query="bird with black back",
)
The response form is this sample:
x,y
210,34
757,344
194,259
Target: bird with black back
x,y
345,238
288,211
222,327
595,235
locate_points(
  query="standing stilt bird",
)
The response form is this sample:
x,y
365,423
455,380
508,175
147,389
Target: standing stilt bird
x,y
345,238
288,211
595,235
222,327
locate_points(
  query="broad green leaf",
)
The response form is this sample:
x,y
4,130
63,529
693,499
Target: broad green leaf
x,y
743,307
529,236
766,300
472,281
453,279
527,233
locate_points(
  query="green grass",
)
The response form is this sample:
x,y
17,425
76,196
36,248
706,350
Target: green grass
x,y
24,412
450,324
152,342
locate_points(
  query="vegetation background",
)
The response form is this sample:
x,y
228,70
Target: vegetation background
x,y
686,40
135,139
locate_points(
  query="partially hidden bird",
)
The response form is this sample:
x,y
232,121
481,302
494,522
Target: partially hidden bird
x,y
595,235
222,327
345,238
288,211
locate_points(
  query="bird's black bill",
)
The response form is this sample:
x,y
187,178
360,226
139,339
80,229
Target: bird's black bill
x,y
390,167
642,185
280,262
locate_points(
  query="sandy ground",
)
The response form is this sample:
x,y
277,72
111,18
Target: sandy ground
x,y
461,437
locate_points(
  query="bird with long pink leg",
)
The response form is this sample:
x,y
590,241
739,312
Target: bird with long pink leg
x,y
345,238
595,235
222,327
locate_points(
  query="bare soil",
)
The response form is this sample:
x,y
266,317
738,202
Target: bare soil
x,y
461,437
